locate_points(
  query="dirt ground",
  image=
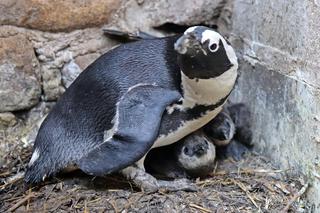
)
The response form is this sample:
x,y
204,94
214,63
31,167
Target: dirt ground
x,y
250,185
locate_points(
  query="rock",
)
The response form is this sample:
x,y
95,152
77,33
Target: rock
x,y
85,60
51,83
57,15
144,15
37,113
33,120
19,74
69,73
7,119
57,50
280,80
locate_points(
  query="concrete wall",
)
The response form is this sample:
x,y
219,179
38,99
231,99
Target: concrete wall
x,y
278,43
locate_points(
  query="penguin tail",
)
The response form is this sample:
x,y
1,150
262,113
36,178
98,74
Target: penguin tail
x,y
47,158
37,172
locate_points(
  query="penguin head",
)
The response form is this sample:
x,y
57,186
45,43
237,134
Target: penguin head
x,y
221,129
196,155
197,147
203,53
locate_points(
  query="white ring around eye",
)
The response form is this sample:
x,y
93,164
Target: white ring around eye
x,y
213,47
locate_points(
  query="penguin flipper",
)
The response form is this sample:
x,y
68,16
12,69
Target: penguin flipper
x,y
138,121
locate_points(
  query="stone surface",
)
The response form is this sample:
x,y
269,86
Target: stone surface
x,y
69,73
84,60
285,123
284,112
144,15
278,43
7,119
57,15
282,35
60,49
19,74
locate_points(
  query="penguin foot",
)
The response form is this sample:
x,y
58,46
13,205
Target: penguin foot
x,y
149,184
177,185
143,180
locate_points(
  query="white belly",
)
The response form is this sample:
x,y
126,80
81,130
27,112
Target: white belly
x,y
186,128
198,92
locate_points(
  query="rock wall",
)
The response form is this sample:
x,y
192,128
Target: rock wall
x,y
278,42
44,44
57,15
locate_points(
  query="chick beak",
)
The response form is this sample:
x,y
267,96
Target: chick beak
x,y
199,150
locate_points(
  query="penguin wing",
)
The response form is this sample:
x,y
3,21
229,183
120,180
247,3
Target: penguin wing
x,y
138,119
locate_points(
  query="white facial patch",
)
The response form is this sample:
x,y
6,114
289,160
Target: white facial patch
x,y
190,29
34,157
214,38
195,162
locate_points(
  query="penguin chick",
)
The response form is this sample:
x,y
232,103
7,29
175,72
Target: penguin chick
x,y
242,118
221,129
237,143
193,156
196,155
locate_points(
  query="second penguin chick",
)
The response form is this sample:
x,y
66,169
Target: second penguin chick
x,y
221,129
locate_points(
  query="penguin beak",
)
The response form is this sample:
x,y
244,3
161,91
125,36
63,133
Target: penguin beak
x,y
181,45
188,43
199,150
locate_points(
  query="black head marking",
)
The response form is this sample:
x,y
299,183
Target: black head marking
x,y
202,53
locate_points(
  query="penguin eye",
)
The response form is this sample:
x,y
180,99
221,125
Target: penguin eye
x,y
213,47
186,150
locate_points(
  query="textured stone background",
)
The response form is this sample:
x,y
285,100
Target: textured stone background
x,y
45,44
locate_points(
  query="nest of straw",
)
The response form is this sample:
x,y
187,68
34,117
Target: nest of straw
x,y
250,185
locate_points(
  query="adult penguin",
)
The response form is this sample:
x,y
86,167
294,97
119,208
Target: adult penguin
x,y
140,95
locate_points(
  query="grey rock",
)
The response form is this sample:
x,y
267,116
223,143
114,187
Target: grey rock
x,y
32,121
85,60
57,53
278,42
52,86
283,35
144,15
7,119
69,73
19,74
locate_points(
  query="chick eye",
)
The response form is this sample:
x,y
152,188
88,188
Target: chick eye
x,y
186,150
213,47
